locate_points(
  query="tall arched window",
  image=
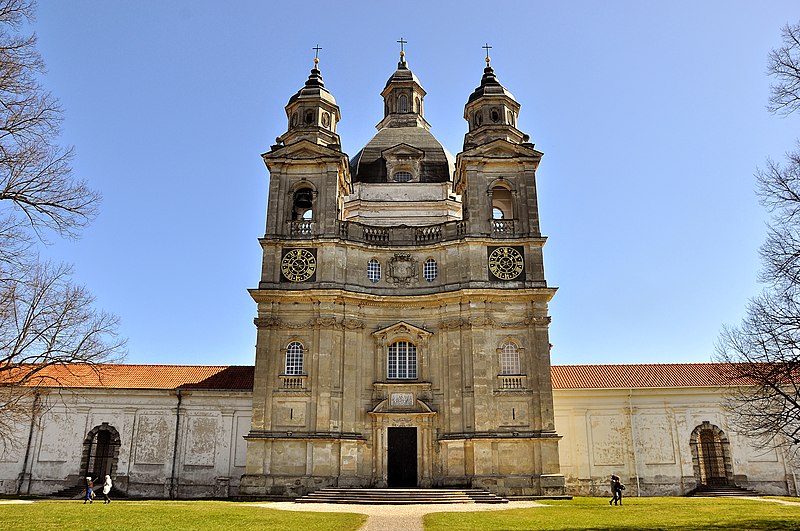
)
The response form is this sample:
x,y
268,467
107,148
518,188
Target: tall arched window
x,y
509,358
402,361
294,359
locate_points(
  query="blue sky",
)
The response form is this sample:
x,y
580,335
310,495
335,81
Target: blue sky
x,y
651,117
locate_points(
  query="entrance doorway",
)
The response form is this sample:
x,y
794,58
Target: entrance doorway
x,y
100,452
402,459
711,456
712,459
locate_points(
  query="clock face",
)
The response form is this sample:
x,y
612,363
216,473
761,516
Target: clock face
x,y
506,263
298,265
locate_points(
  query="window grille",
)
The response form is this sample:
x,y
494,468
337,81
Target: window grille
x,y
430,270
509,359
402,177
374,270
402,361
294,358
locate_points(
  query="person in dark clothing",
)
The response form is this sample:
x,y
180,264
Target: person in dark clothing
x,y
616,490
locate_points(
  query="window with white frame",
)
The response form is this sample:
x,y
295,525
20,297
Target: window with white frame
x,y
294,358
373,270
430,270
402,361
509,358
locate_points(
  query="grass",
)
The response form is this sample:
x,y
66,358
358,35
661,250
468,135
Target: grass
x,y
662,513
669,514
126,515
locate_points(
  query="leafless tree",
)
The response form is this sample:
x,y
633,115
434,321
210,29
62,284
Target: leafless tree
x,y
762,354
45,319
784,65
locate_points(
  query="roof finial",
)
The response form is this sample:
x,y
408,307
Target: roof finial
x,y
316,54
487,48
402,42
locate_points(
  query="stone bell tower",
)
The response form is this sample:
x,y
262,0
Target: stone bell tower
x,y
402,328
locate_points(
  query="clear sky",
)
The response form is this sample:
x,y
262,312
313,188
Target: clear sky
x,y
651,117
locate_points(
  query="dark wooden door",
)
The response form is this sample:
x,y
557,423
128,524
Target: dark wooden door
x,y
402,460
712,458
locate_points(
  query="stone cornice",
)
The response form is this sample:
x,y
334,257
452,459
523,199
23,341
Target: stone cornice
x,y
432,300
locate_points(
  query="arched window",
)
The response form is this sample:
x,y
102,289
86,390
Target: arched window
x,y
402,177
402,103
509,358
430,270
402,361
294,359
373,270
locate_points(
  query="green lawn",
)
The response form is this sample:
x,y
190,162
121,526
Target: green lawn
x,y
174,516
674,514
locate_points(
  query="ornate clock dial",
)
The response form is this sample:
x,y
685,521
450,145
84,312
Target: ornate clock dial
x,y
506,263
298,265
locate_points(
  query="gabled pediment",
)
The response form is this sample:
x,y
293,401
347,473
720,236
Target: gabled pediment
x,y
402,328
302,149
402,150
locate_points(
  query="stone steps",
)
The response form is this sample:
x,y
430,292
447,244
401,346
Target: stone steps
x,y
721,491
400,496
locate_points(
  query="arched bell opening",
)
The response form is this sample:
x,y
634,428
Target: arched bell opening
x,y
303,205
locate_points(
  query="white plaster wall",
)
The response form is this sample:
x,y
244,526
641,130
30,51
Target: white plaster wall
x,y
643,436
209,456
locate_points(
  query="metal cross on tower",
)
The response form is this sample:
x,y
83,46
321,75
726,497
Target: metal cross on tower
x,y
487,48
316,54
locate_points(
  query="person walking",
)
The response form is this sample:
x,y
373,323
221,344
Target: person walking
x,y
89,491
616,490
107,489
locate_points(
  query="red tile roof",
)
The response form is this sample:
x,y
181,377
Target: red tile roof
x,y
124,376
638,376
240,378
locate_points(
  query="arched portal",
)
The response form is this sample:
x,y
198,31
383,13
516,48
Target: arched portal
x,y
100,452
711,455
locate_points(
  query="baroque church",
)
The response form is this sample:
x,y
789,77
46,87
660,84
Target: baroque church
x,y
402,341
402,309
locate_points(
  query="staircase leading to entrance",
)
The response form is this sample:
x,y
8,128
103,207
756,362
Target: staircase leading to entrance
x,y
400,496
721,490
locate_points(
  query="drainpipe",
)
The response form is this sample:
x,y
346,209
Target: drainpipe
x,y
34,409
633,437
175,446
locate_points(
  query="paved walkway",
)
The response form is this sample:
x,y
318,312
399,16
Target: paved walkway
x,y
393,517
758,498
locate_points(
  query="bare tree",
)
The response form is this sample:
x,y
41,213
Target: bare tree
x,y
45,319
762,354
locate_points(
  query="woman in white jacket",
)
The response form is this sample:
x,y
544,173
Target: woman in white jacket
x,y
107,489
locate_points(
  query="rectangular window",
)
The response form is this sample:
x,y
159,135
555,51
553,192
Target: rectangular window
x,y
402,361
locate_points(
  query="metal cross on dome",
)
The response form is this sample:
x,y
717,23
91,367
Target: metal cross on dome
x,y
487,48
402,42
316,53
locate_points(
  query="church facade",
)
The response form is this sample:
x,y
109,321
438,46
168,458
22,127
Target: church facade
x,y
402,308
